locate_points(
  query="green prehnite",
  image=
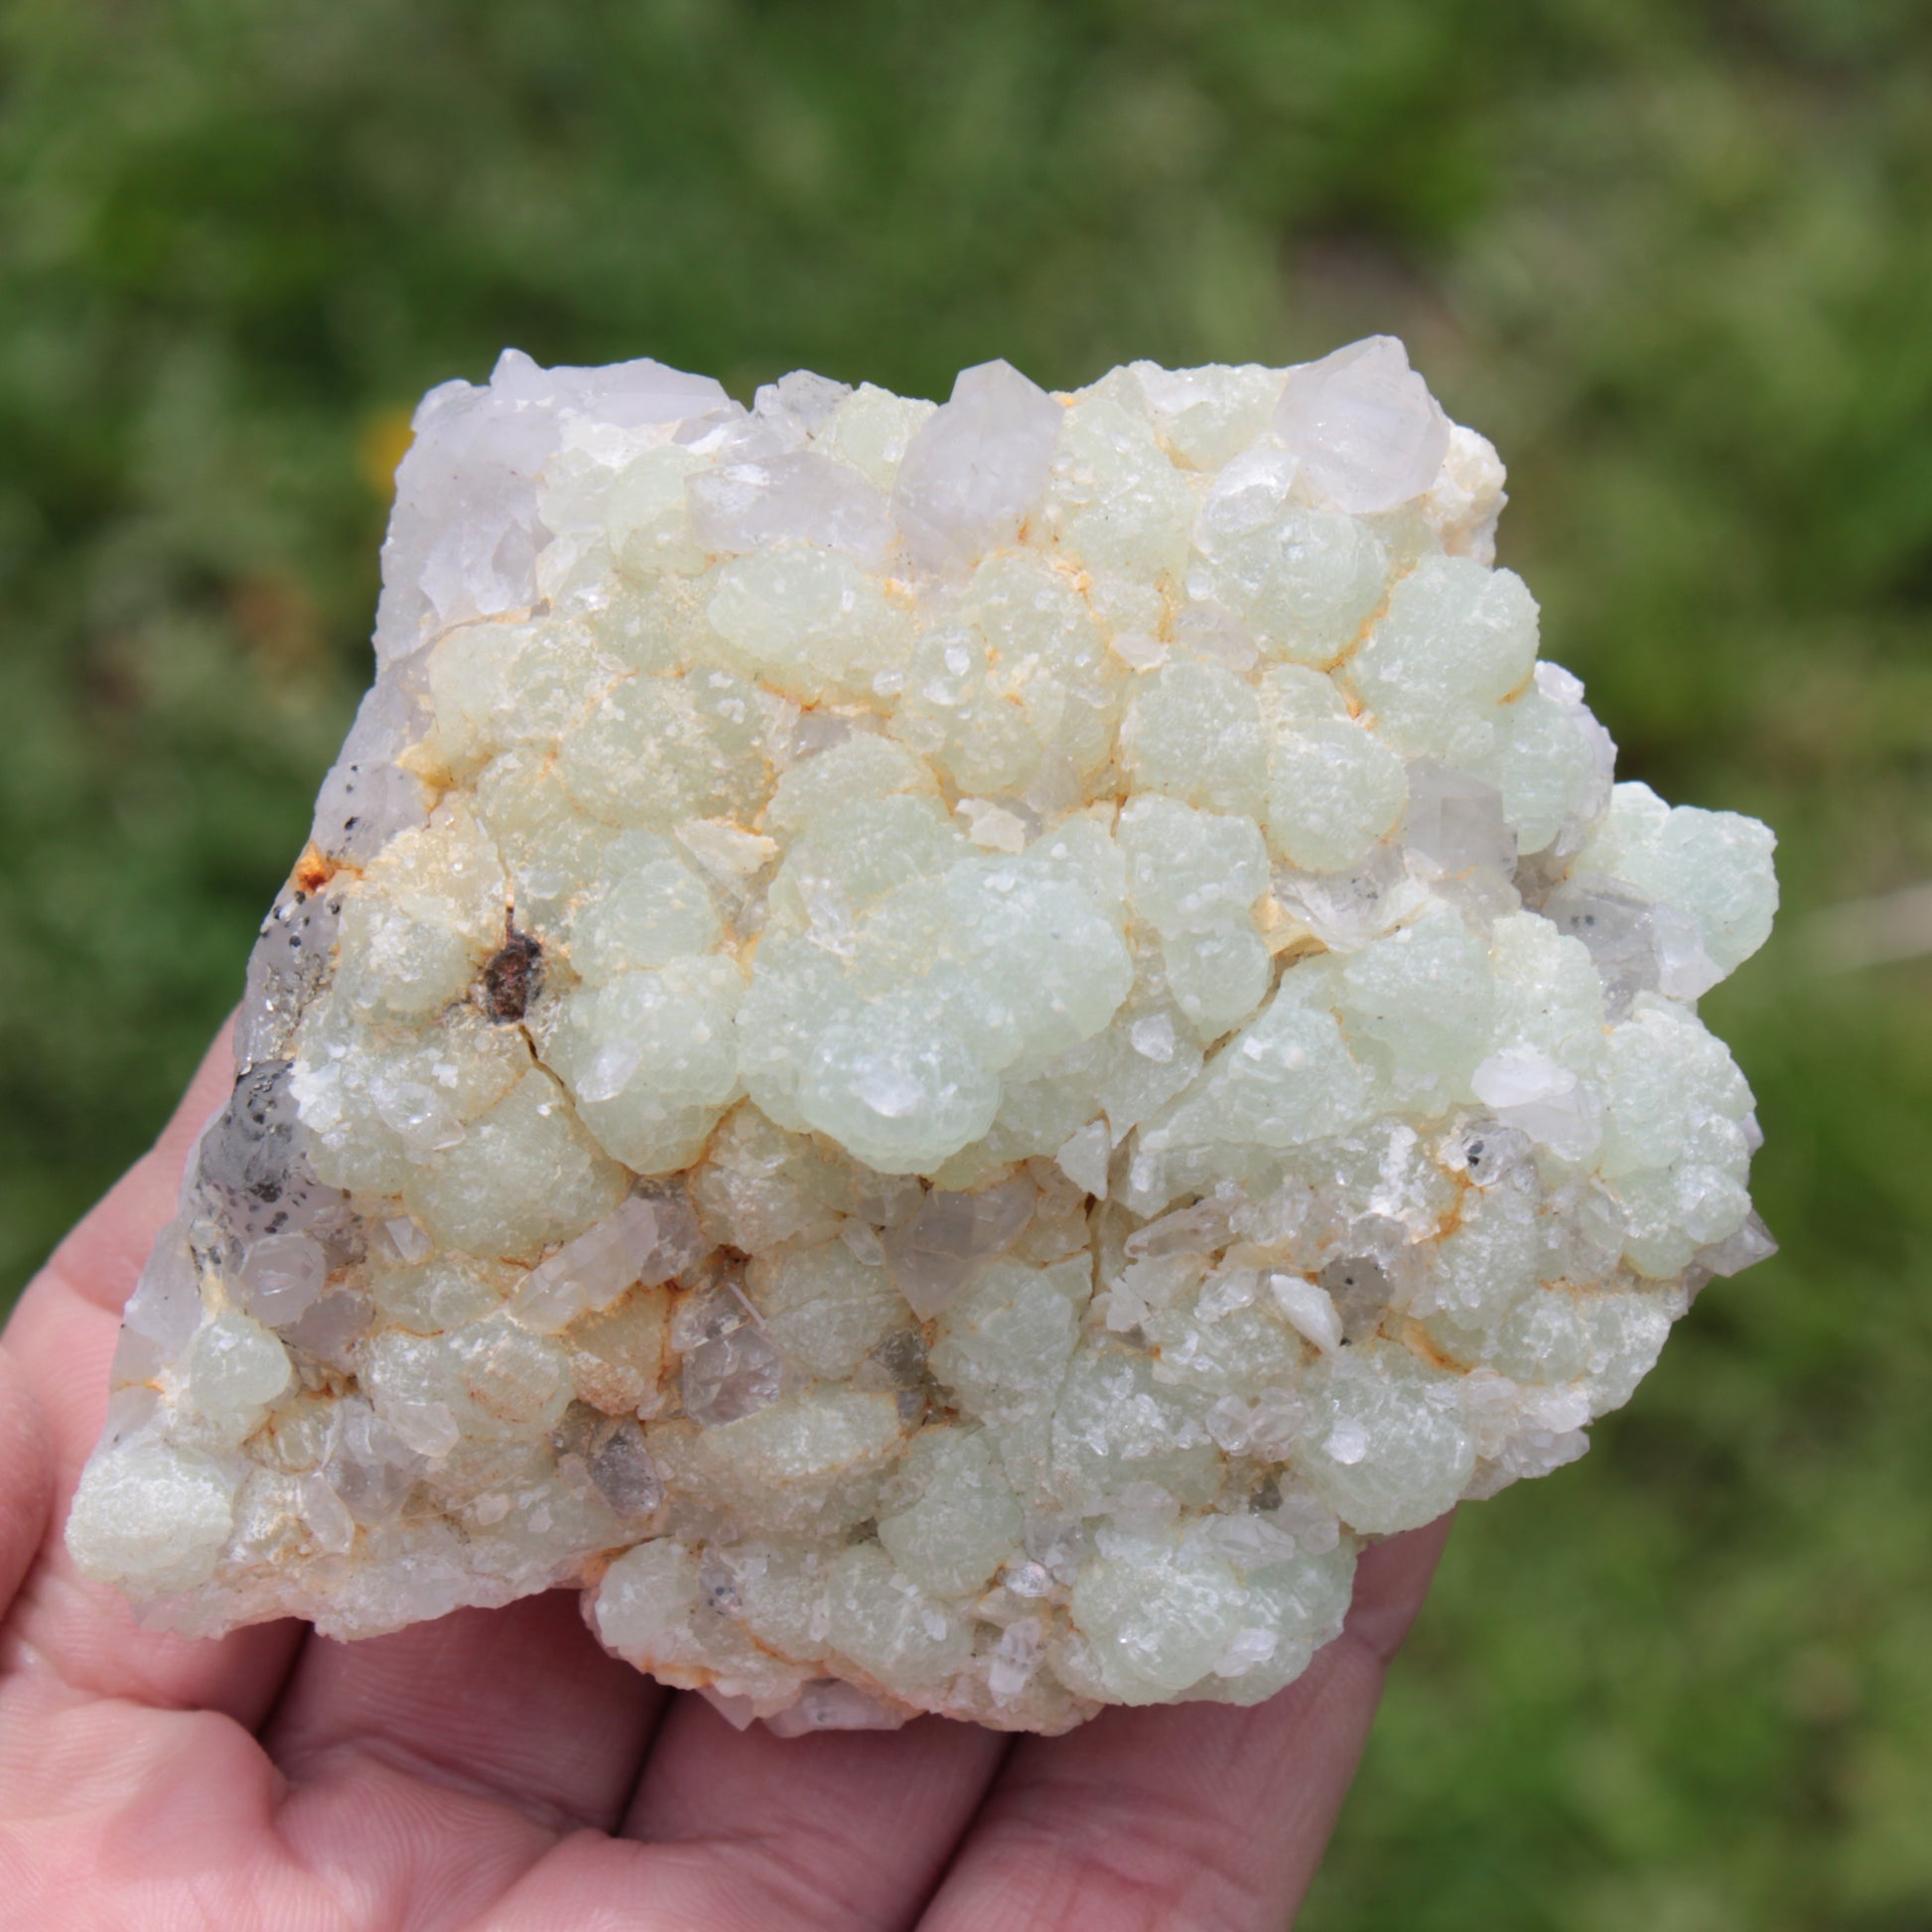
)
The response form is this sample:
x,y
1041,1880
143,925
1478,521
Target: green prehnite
x,y
940,1050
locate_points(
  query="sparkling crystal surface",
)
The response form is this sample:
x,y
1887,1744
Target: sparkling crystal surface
x,y
941,1052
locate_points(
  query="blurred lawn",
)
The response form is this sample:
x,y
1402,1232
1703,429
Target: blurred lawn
x,y
1675,258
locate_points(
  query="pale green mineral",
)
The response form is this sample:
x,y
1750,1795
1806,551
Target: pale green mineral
x,y
940,1051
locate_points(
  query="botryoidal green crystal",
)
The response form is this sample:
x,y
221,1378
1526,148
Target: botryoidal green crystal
x,y
940,1051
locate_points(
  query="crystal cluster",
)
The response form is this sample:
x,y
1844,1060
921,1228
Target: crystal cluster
x,y
941,1051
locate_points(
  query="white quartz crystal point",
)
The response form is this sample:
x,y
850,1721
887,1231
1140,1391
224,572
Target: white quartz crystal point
x,y
940,1053
645,1240
976,467
952,1237
465,532
1367,432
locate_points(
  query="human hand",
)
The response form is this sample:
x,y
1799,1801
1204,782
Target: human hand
x,y
495,1770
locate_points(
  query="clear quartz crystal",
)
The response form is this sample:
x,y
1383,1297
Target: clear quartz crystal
x,y
1364,426
940,1051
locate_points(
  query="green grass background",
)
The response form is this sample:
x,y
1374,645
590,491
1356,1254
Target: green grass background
x,y
1674,256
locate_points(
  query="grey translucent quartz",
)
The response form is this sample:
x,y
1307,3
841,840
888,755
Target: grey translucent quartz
x,y
940,1053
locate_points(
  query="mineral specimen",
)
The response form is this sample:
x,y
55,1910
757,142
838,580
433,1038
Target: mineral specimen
x,y
940,1050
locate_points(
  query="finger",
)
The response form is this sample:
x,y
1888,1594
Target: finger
x,y
63,1634
1391,1581
26,1476
1193,1815
844,1830
521,1704
157,1820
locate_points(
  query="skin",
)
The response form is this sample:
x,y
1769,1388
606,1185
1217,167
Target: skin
x,y
498,1770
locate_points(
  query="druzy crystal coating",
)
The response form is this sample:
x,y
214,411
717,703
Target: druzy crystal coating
x,y
940,1051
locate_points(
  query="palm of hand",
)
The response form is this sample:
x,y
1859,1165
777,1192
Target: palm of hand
x,y
497,1769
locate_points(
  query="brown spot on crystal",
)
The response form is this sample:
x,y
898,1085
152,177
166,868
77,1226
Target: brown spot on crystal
x,y
510,979
314,869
